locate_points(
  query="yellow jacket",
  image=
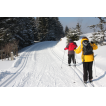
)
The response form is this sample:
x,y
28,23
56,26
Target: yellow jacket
x,y
86,58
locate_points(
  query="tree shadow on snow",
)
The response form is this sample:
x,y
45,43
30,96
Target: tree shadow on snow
x,y
42,45
98,78
4,74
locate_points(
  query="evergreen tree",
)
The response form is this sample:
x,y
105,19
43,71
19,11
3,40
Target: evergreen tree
x,y
61,32
94,37
49,28
53,28
101,26
98,37
66,30
5,31
58,28
42,28
17,28
78,28
33,27
37,30
72,34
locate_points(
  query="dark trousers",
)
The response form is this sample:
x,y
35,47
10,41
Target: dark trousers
x,y
87,69
71,56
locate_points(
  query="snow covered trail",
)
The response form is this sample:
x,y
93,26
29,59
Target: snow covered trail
x,y
40,66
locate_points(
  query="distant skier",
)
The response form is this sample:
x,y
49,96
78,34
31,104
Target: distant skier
x,y
71,54
87,57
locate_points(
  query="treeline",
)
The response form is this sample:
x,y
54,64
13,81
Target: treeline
x,y
17,28
28,29
25,30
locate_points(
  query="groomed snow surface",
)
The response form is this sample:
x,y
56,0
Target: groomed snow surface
x,y
45,64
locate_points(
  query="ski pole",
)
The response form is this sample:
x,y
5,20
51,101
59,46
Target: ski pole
x,y
63,59
74,68
76,58
95,68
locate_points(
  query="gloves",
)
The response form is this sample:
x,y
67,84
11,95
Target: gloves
x,y
92,42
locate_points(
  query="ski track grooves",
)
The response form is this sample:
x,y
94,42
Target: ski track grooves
x,y
66,64
12,77
78,73
42,74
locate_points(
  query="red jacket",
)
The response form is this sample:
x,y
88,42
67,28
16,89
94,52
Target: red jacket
x,y
70,47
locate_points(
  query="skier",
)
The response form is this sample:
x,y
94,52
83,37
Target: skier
x,y
87,57
71,54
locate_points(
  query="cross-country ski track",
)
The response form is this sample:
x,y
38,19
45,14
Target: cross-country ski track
x,y
41,66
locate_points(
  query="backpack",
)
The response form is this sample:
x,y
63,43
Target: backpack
x,y
87,48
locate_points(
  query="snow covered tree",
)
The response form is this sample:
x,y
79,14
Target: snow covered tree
x,y
49,28
25,31
51,35
5,31
66,30
99,37
34,29
42,27
19,28
92,27
101,26
78,28
94,37
58,29
55,29
72,34
37,29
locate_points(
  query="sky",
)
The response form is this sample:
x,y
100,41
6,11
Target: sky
x,y
71,22
83,21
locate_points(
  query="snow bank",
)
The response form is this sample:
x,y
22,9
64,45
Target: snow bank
x,y
62,44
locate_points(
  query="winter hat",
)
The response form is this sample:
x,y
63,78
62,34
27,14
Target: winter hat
x,y
70,40
84,37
